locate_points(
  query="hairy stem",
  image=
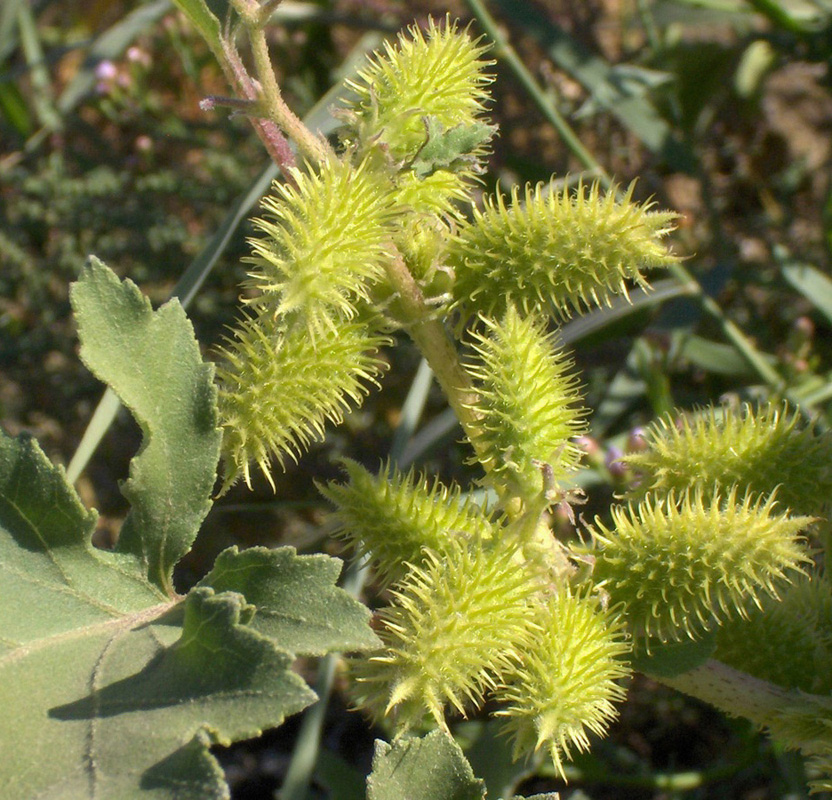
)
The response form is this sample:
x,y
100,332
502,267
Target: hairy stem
x,y
734,692
433,341
313,147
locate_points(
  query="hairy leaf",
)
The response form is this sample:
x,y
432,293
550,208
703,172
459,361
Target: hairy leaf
x,y
111,685
450,149
430,768
153,363
297,601
101,676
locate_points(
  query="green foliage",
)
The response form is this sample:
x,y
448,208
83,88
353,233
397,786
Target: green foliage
x,y
174,400
430,768
127,683
451,149
203,19
705,574
555,250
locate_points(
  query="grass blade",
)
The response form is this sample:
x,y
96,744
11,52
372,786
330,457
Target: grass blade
x,y
812,284
596,75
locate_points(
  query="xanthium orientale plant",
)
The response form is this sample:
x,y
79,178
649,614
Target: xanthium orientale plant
x,y
715,541
713,552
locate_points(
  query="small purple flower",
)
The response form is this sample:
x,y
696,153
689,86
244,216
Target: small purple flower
x,y
138,56
106,70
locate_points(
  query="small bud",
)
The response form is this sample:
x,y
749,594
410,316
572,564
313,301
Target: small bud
x,y
106,70
614,463
636,441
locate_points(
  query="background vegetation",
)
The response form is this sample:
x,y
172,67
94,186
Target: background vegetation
x,y
721,108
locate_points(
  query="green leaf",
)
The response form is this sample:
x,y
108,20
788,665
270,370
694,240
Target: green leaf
x,y
52,580
297,601
117,707
13,109
812,284
204,20
107,685
430,768
118,688
111,685
488,750
452,149
720,359
152,361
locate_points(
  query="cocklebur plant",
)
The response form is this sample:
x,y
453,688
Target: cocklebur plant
x,y
718,542
382,233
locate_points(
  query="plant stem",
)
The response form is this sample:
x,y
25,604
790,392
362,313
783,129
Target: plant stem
x,y
314,148
436,346
733,691
273,140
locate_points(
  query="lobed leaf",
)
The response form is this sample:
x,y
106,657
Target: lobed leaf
x,y
114,685
298,603
111,685
152,361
